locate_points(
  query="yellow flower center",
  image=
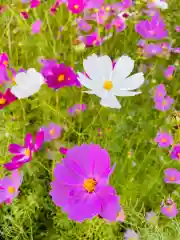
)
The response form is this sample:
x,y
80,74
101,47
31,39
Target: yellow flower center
x,y
27,152
5,63
178,155
2,100
52,131
108,85
172,178
169,209
90,184
76,6
11,189
164,140
61,78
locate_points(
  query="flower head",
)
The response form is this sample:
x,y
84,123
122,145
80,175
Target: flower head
x,y
130,235
168,73
76,109
27,83
81,187
152,217
164,139
6,98
175,153
53,131
9,186
172,175
76,6
107,82
4,60
36,26
169,209
164,104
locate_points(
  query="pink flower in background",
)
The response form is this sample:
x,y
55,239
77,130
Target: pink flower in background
x,y
175,153
53,131
121,216
164,139
6,98
4,60
83,25
63,150
172,175
152,217
23,154
164,104
131,235
168,73
76,6
81,188
76,109
9,186
160,92
90,40
24,14
34,3
119,24
36,26
169,209
177,28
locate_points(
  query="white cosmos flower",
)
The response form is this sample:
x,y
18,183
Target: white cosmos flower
x,y
27,83
160,4
106,82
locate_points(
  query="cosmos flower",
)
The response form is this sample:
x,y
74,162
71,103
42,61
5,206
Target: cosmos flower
x,y
53,131
175,153
158,4
81,187
9,186
4,60
6,98
164,139
36,26
152,217
168,72
34,3
76,6
63,150
23,154
119,24
169,209
131,235
24,14
92,39
152,29
172,175
177,28
164,104
107,82
76,109
27,83
59,75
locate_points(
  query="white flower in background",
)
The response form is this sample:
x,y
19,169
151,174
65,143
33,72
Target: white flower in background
x,y
106,82
160,4
27,83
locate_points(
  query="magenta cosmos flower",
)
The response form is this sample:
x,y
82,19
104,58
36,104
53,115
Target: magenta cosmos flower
x,y
76,6
59,75
52,131
36,26
168,72
175,153
23,154
164,139
6,98
160,92
164,104
4,61
9,186
152,29
34,3
81,184
172,175
169,209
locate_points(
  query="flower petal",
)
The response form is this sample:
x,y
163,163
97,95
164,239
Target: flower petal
x,y
110,101
15,148
125,93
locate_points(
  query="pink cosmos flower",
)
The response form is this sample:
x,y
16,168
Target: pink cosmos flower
x,y
63,150
83,25
152,29
160,92
9,186
168,73
177,28
24,14
54,7
34,3
23,154
6,98
59,75
164,139
172,175
175,153
119,24
121,216
76,109
152,49
36,26
4,60
164,104
169,210
81,187
92,39
53,131
76,6
175,50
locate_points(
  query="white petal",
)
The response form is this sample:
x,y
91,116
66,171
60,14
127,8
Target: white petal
x,y
34,76
124,66
98,68
131,83
125,93
85,81
110,101
21,92
20,78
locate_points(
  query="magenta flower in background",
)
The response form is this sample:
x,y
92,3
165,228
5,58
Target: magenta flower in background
x,y
152,49
90,40
169,209
131,234
76,109
6,98
177,28
83,25
119,24
89,4
172,175
53,131
63,150
34,3
160,93
175,153
36,26
168,73
9,186
81,187
24,14
59,75
164,104
152,29
164,139
4,60
76,6
23,154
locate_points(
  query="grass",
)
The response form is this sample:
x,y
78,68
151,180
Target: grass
x,y
32,215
